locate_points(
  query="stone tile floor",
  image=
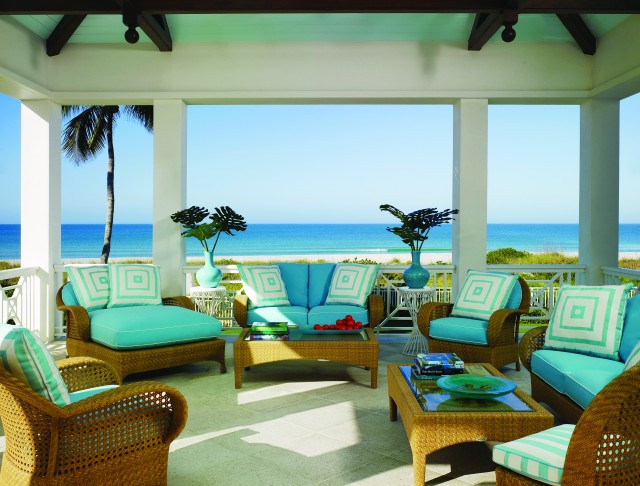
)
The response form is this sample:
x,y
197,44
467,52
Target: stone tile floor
x,y
304,423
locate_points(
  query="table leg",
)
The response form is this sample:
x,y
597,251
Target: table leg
x,y
238,375
393,410
374,377
416,344
419,466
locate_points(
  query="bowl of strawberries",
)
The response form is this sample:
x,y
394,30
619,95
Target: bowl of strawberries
x,y
346,325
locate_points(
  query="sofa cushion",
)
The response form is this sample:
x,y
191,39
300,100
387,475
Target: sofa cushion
x,y
634,357
68,295
151,326
319,282
351,284
89,392
296,281
328,314
553,366
582,385
25,356
90,285
263,285
460,330
588,320
282,313
483,293
134,285
630,328
539,456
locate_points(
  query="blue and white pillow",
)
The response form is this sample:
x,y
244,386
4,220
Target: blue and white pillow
x,y
25,356
351,284
588,320
263,285
90,285
483,293
134,285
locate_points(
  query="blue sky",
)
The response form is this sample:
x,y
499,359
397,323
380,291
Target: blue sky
x,y
337,164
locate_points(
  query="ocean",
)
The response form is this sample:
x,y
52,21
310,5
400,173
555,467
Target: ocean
x,y
134,240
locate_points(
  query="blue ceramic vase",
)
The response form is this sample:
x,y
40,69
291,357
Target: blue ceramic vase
x,y
209,275
416,276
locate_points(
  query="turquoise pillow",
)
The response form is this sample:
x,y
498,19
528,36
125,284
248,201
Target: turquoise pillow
x,y
68,295
134,285
319,282
634,357
25,356
630,328
588,320
296,281
89,392
483,293
90,284
263,285
351,284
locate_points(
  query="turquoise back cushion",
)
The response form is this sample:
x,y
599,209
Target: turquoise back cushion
x,y
482,293
296,281
631,328
319,282
68,295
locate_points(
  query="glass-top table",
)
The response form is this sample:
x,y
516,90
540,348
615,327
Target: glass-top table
x,y
297,334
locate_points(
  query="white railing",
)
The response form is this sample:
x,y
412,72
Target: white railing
x,y
613,276
18,303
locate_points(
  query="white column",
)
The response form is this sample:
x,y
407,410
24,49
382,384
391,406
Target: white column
x,y
40,203
470,131
169,191
599,186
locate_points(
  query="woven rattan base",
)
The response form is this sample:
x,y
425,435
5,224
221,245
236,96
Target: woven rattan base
x,y
562,405
430,431
249,353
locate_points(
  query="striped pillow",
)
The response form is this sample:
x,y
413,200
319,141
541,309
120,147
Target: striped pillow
x,y
351,284
539,456
90,285
263,285
134,285
25,356
588,320
634,358
483,293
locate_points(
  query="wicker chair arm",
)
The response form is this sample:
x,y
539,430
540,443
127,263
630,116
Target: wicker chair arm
x,y
429,312
78,322
180,301
503,326
375,305
82,373
240,308
532,341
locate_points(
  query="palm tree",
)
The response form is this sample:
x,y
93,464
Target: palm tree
x,y
86,134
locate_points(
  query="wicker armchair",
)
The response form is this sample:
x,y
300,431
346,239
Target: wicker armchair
x,y
120,436
502,333
605,444
79,343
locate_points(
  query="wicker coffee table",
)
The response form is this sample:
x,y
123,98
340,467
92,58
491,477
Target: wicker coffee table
x,y
356,349
429,428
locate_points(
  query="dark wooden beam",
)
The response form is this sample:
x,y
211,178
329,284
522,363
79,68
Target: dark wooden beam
x,y
158,7
62,33
580,32
156,27
484,26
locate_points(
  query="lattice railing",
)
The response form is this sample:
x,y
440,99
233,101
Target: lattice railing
x,y
616,276
18,302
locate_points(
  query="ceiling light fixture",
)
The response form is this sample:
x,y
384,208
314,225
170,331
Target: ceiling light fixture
x,y
130,19
509,19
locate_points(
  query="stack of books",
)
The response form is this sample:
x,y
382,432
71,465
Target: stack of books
x,y
269,331
434,365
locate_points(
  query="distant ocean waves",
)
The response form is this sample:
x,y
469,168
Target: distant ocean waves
x,y
134,240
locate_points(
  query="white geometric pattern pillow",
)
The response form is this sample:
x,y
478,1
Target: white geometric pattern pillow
x,y
634,357
351,284
263,285
483,293
25,356
588,320
90,284
134,285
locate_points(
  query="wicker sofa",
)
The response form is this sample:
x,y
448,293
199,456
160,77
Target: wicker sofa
x,y
566,381
138,359
307,286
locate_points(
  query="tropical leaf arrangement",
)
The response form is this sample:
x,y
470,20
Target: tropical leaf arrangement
x,y
223,220
416,225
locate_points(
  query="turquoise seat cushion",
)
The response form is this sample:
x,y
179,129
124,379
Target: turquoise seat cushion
x,y
581,386
460,330
296,281
328,314
539,456
281,313
89,392
139,327
554,366
631,328
68,295
320,275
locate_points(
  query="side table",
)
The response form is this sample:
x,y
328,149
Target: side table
x,y
413,299
208,300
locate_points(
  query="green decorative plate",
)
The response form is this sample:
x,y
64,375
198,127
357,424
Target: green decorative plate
x,y
476,386
465,405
